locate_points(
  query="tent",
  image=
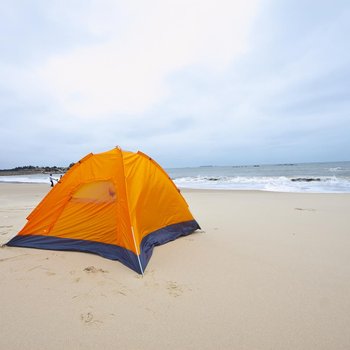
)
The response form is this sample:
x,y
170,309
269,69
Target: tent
x,y
116,204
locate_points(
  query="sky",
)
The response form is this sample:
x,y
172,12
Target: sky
x,y
189,82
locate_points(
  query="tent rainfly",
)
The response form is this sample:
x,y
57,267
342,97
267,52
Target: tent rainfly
x,y
116,204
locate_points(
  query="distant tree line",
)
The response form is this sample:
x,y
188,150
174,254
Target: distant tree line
x,y
31,169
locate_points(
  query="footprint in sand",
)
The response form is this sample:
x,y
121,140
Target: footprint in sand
x,y
88,318
305,209
122,291
50,273
5,230
93,269
174,289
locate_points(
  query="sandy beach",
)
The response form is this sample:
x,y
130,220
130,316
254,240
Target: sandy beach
x,y
267,271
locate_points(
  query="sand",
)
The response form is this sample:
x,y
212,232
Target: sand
x,y
268,271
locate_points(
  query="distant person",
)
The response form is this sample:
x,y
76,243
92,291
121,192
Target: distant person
x,y
51,180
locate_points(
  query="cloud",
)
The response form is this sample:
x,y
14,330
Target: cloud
x,y
126,73
188,82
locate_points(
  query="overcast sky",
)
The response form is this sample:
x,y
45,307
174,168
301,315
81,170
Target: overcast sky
x,y
188,82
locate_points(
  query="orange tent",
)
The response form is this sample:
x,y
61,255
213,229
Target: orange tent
x,y
116,204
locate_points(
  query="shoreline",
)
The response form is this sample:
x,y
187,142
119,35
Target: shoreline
x,y
209,190
269,270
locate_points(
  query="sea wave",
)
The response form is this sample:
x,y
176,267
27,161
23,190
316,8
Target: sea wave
x,y
331,184
35,178
338,168
315,184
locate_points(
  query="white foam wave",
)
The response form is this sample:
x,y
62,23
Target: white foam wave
x,y
332,184
36,178
264,183
333,170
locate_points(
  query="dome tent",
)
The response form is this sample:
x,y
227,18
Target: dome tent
x,y
116,204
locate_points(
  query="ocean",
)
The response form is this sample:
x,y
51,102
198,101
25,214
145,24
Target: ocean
x,y
333,177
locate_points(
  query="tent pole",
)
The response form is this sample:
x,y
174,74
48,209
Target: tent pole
x,y
137,251
127,201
